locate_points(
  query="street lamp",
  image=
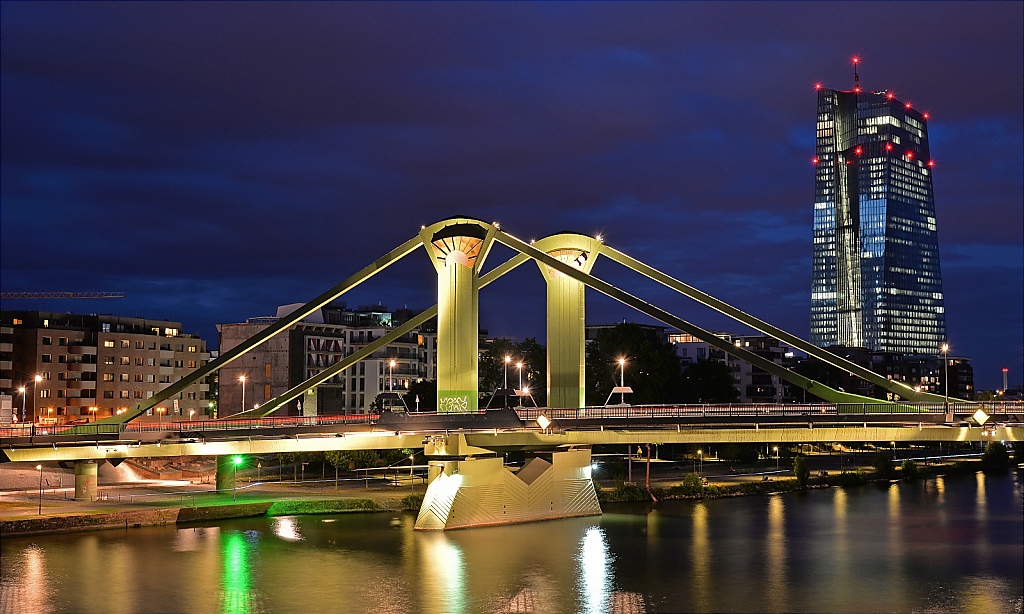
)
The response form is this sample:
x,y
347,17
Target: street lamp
x,y
22,391
945,379
504,386
519,365
191,413
700,457
38,378
93,410
391,380
160,414
622,380
234,475
40,468
776,449
242,379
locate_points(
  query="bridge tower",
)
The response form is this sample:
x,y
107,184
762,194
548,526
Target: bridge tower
x,y
457,249
566,318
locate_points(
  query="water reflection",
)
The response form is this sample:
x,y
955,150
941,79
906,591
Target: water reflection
x,y
236,595
595,581
700,558
857,549
775,546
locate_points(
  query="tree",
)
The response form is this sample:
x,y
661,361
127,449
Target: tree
x,y
883,466
709,381
801,471
426,390
995,458
529,352
653,368
909,470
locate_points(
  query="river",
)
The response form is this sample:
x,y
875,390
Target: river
x,y
953,544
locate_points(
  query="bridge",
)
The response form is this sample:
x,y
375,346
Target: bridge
x,y
468,484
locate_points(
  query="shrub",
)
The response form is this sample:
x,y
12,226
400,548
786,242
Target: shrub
x,y
801,471
412,501
995,459
692,485
883,466
909,470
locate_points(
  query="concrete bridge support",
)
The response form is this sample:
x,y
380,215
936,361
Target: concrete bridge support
x,y
86,480
226,472
457,251
566,319
479,492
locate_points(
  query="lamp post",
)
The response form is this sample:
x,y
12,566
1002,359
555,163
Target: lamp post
x,y
160,414
700,457
504,385
40,469
776,449
234,476
93,410
622,380
191,413
37,379
519,365
945,379
22,391
242,379
391,372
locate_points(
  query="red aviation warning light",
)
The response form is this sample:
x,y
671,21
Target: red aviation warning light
x,y
859,150
814,160
910,155
890,96
856,77
931,162
817,86
907,105
888,146
925,115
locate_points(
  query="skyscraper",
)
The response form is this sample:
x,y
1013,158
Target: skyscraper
x,y
877,282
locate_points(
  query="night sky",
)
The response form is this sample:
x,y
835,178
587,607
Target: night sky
x,y
214,161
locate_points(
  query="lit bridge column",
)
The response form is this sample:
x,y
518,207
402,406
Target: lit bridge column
x,y
458,249
566,315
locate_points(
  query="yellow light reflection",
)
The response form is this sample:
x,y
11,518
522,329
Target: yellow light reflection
x,y
444,575
595,572
778,588
285,527
701,558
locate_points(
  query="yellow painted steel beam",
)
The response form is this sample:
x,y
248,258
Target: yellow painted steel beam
x,y
280,401
706,299
461,443
283,324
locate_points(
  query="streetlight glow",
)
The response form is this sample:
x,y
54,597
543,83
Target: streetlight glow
x,y
242,379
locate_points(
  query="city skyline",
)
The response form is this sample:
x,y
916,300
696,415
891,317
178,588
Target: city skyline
x,y
216,161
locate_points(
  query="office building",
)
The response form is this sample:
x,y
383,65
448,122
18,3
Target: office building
x,y
876,277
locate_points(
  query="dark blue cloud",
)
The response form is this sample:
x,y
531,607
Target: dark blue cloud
x,y
215,160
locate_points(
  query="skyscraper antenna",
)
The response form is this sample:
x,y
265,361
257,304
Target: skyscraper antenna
x,y
856,77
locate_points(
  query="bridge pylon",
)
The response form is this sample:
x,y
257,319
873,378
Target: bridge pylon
x,y
458,248
566,318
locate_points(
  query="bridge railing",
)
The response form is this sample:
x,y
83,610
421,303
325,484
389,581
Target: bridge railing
x,y
184,426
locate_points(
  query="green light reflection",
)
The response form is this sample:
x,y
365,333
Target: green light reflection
x,y
236,579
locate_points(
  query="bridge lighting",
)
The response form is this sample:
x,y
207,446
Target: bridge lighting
x,y
235,462
599,238
622,380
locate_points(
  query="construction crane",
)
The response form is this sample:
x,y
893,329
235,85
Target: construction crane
x,y
11,295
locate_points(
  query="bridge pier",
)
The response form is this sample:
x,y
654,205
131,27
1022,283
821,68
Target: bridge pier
x,y
226,472
477,492
86,479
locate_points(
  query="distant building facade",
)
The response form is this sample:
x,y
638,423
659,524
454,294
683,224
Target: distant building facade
x,y
876,276
94,366
754,384
314,344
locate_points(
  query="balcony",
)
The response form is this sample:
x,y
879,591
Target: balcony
x,y
6,365
6,347
166,354
166,370
6,330
78,384
204,387
81,367
82,350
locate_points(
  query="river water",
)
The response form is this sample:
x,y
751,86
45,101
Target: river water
x,y
953,544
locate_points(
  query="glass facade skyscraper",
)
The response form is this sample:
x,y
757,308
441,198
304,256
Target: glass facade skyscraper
x,y
877,282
